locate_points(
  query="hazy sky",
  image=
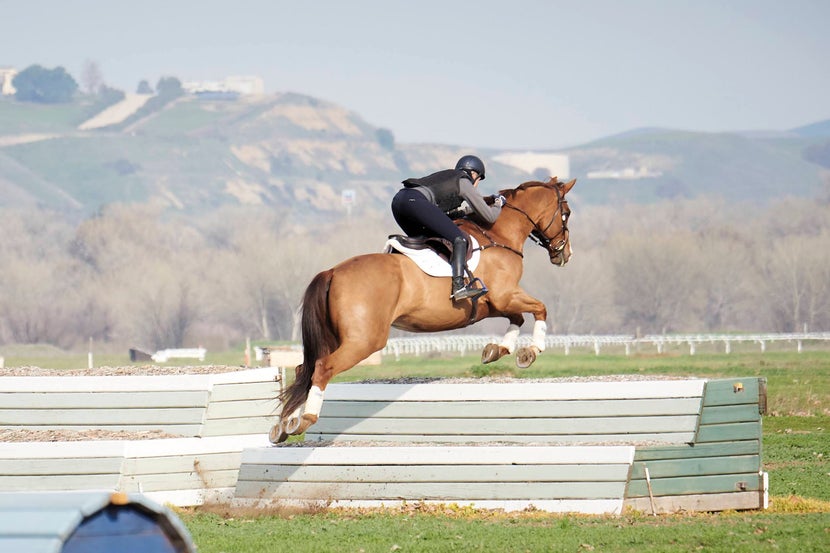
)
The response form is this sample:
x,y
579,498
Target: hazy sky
x,y
515,74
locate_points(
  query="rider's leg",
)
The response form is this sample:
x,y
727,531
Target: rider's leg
x,y
458,262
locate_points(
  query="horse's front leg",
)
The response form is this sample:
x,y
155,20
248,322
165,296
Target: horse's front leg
x,y
494,352
519,303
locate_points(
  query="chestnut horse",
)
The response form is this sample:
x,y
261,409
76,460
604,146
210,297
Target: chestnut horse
x,y
349,309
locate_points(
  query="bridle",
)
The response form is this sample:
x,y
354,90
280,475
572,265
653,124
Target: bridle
x,y
554,244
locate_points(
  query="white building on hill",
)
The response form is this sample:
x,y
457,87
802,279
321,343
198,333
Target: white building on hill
x,y
7,75
555,165
242,85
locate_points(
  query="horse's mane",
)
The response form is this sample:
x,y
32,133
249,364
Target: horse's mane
x,y
510,192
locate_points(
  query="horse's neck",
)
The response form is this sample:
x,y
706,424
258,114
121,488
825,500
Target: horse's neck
x,y
508,230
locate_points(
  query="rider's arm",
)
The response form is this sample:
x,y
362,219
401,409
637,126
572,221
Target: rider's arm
x,y
478,208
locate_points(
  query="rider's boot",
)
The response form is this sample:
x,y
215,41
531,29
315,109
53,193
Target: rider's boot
x,y
460,291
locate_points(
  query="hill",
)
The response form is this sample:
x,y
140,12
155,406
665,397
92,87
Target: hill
x,y
290,149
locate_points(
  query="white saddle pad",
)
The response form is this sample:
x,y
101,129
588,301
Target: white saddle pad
x,y
429,261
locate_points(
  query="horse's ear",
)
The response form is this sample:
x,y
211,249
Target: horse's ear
x,y
552,180
568,185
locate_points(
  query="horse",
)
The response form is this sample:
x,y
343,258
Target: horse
x,y
348,310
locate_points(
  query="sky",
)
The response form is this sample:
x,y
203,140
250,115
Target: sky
x,y
508,74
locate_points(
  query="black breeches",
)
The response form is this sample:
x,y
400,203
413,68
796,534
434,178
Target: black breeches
x,y
417,216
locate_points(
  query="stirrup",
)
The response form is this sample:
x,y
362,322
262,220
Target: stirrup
x,y
468,292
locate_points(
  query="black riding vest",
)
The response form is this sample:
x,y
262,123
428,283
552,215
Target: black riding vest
x,y
444,186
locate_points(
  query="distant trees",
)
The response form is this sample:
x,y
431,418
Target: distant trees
x,y
169,87
45,86
137,276
144,88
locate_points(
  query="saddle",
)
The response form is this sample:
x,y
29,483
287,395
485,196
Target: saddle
x,y
440,246
432,255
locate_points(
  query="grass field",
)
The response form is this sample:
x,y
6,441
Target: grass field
x,y
796,446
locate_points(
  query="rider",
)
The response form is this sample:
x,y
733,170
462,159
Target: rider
x,y
426,206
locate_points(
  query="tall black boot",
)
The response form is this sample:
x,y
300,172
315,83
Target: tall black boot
x,y
458,262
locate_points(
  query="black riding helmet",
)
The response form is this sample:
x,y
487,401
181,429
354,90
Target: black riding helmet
x,y
471,163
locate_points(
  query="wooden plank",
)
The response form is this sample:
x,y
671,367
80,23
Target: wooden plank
x,y
182,463
539,427
729,432
697,502
730,413
439,455
244,408
696,484
697,466
175,429
245,391
59,482
447,491
650,453
61,450
232,427
99,400
158,383
192,446
260,374
732,391
435,473
509,409
67,465
516,391
100,417
592,439
178,481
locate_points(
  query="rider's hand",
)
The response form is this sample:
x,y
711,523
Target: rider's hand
x,y
499,200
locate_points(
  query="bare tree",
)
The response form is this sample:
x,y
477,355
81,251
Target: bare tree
x,y
91,77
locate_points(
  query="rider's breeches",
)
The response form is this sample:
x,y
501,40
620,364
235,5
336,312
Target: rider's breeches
x,y
417,216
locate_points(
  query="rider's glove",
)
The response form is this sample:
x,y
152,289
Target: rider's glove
x,y
499,200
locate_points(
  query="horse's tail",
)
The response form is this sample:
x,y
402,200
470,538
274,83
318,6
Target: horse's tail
x,y
318,340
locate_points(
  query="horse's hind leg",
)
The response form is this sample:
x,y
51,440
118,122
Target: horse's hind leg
x,y
342,359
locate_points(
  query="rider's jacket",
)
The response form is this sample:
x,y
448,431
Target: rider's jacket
x,y
444,186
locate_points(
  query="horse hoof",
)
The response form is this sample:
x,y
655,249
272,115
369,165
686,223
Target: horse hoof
x,y
525,357
493,352
291,425
277,435
304,423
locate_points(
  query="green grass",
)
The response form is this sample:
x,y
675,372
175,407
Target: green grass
x,y
28,117
457,529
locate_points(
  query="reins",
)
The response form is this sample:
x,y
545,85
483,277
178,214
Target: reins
x,y
537,234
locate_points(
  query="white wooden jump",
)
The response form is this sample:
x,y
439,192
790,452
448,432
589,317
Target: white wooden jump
x,y
557,446
216,415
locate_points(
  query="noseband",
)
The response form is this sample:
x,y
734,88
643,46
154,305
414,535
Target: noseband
x,y
539,235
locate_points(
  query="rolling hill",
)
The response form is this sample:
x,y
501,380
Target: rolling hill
x,y
295,150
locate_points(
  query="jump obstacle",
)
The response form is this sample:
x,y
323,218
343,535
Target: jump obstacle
x,y
587,446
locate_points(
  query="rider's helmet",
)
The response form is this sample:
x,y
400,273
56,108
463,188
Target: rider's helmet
x,y
471,163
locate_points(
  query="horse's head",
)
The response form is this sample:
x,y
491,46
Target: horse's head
x,y
545,206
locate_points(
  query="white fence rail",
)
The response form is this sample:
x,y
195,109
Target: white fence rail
x,y
463,344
